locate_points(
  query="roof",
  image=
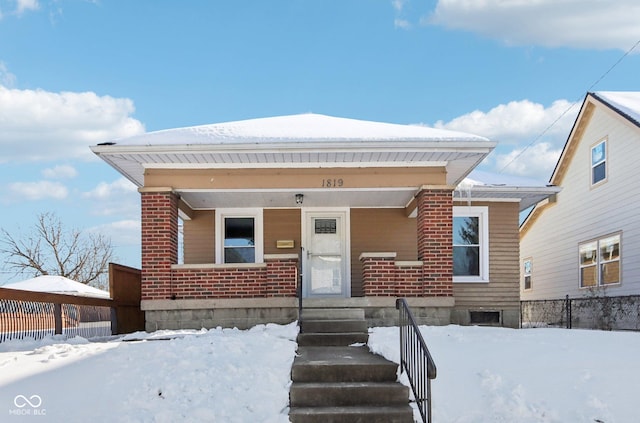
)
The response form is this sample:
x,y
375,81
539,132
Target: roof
x,y
57,285
296,141
308,127
481,185
626,103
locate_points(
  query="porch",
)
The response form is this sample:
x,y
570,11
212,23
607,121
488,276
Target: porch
x,y
210,292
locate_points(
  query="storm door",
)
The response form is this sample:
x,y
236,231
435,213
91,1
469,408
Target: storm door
x,y
325,255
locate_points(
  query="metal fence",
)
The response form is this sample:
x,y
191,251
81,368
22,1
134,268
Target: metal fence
x,y
593,312
20,319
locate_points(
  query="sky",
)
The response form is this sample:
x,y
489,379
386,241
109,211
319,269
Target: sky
x,y
75,73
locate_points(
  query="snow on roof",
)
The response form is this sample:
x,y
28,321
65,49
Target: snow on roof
x,y
625,102
296,128
481,185
57,285
483,178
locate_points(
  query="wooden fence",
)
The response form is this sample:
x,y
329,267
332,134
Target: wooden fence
x,y
27,314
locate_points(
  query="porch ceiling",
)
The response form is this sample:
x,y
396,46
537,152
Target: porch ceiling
x,y
381,197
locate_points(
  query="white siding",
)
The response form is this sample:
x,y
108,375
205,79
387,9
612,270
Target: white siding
x,y
583,213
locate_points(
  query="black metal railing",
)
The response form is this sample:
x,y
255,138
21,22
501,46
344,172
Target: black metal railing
x,y
299,291
415,359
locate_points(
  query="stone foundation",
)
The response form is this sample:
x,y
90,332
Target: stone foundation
x,y
246,313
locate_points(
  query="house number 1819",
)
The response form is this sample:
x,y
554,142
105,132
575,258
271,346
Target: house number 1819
x,y
332,183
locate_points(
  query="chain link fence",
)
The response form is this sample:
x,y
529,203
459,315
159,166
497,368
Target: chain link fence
x,y
601,312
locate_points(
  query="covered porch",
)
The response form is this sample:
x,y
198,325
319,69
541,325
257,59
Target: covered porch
x,y
336,257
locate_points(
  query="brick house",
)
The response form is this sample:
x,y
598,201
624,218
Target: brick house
x,y
359,212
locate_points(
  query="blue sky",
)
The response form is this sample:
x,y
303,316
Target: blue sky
x,y
75,73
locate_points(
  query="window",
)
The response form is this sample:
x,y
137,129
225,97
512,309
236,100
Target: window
x,y
599,162
526,271
600,262
470,244
484,317
239,236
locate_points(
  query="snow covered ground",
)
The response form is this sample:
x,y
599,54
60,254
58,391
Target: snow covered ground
x,y
484,375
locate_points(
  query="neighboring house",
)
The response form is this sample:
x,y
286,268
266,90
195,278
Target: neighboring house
x,y
366,210
585,242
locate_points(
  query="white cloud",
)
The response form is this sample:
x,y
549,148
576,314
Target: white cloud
x,y
516,121
402,23
6,78
122,232
26,5
552,23
39,190
119,197
398,5
537,161
60,172
105,191
37,125
517,125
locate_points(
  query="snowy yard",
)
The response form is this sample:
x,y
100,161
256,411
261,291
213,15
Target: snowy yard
x,y
484,375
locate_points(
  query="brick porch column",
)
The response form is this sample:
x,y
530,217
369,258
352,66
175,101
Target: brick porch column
x,y
159,241
435,238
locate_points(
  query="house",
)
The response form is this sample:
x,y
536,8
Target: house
x,y
585,242
359,212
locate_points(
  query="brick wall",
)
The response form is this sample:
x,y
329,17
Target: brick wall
x,y
435,237
159,221
224,282
282,277
378,275
409,280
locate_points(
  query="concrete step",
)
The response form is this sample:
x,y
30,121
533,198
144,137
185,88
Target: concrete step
x,y
341,364
332,314
331,339
333,326
371,414
348,394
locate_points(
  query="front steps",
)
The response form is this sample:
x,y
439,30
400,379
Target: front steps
x,y
336,382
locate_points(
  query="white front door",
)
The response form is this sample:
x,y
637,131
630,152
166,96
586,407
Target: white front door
x,y
326,270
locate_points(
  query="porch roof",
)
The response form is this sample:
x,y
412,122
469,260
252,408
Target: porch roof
x,y
297,141
486,186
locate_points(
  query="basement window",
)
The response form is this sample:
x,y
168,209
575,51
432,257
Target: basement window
x,y
484,317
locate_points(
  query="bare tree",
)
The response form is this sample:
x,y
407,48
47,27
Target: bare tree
x,y
50,249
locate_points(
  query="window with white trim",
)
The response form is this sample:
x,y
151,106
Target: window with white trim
x,y
599,162
239,237
470,244
600,262
526,273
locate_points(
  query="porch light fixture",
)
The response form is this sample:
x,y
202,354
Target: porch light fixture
x,y
299,198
